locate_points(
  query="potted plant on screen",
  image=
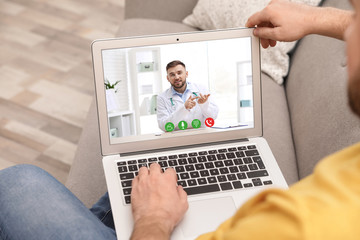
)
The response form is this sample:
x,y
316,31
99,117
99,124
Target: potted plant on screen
x,y
111,99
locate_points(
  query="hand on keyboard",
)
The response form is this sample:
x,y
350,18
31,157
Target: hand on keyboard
x,y
156,197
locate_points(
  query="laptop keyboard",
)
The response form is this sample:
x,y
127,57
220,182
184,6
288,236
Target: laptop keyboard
x,y
204,171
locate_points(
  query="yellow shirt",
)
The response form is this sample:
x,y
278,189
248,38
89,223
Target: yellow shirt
x,y
325,205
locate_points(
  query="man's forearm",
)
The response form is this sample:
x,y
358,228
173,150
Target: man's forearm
x,y
330,22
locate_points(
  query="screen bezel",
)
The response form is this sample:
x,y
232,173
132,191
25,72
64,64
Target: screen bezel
x,y
171,140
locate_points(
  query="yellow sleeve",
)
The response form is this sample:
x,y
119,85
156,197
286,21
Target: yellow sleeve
x,y
325,205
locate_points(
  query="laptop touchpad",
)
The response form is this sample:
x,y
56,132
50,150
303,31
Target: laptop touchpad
x,y
206,215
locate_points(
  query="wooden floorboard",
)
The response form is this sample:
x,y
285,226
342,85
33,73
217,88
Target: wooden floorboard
x,y
46,80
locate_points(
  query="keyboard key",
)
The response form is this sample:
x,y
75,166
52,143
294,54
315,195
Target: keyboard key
x,y
163,164
247,185
226,186
233,149
211,157
184,175
234,169
255,174
193,154
172,163
251,147
202,159
194,174
121,163
163,158
199,166
269,182
184,155
209,165
240,154
182,183
142,165
247,160
242,148
230,155
126,176
182,161
251,153
192,160
202,153
253,167
222,150
229,162
221,156
191,182
122,169
173,157
131,162
189,168
259,162
221,178
214,172
127,199
133,168
179,169
153,159
202,189
224,170
127,191
204,173
219,164
201,181
243,168
241,176
126,184
238,161
212,179
237,184
257,182
231,177
212,151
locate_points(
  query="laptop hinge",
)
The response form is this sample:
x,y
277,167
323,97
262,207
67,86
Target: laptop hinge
x,y
183,147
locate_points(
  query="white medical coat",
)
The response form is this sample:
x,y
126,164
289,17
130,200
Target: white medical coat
x,y
171,108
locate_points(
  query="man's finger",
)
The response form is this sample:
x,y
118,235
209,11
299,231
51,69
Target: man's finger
x,y
171,172
256,19
155,168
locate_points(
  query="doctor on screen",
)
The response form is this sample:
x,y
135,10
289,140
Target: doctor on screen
x,y
184,102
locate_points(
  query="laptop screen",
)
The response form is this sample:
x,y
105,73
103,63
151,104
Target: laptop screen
x,y
178,89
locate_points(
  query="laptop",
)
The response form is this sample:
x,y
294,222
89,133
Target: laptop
x,y
219,155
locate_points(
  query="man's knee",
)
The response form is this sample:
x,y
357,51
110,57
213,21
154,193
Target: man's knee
x,y
20,175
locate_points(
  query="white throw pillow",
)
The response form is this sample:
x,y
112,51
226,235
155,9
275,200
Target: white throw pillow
x,y
220,14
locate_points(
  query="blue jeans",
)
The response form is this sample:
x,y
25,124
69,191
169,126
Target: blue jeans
x,y
34,205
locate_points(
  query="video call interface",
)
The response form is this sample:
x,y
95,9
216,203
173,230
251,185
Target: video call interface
x,y
212,92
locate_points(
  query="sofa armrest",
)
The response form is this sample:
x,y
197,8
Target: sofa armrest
x,y
169,10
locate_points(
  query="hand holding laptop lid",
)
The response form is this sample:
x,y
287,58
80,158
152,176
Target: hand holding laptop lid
x,y
158,204
288,21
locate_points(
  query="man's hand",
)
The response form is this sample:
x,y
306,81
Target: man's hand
x,y
282,21
158,204
203,98
190,102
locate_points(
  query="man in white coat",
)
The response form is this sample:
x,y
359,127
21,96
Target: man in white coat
x,y
183,101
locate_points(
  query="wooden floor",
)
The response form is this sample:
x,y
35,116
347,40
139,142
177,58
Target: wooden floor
x,y
46,81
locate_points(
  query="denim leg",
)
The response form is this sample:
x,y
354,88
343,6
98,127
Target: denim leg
x,y
102,210
34,205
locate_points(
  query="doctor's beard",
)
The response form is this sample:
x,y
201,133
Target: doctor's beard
x,y
179,87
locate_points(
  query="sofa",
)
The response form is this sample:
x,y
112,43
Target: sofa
x,y
304,119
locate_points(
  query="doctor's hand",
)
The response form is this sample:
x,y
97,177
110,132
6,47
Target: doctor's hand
x,y
203,98
158,203
190,102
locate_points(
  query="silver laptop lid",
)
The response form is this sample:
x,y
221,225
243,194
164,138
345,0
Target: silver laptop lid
x,y
133,92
